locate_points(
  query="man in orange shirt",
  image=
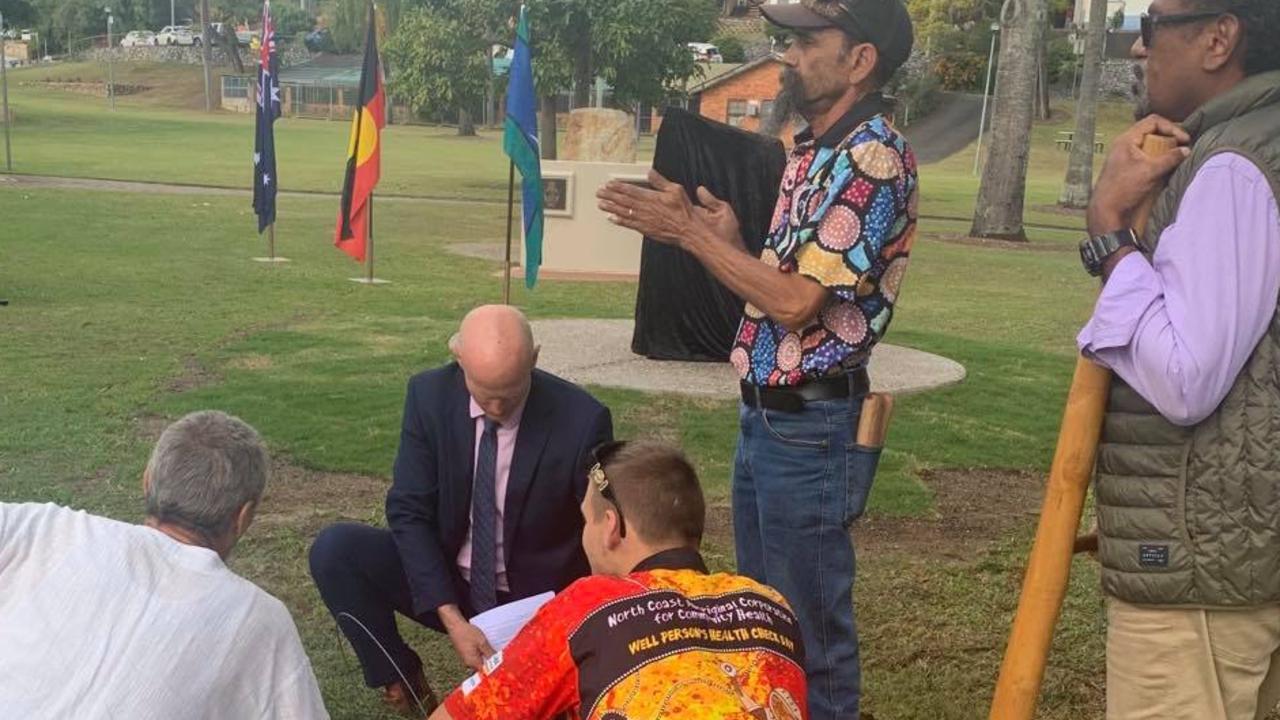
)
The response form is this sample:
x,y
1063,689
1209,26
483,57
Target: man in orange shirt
x,y
651,634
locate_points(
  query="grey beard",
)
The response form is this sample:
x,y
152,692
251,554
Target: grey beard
x,y
786,106
1141,101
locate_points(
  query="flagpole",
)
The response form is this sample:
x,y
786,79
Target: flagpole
x,y
511,205
271,241
368,250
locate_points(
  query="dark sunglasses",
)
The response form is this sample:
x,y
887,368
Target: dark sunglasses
x,y
1150,23
600,456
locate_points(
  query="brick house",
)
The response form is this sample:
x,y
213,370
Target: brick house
x,y
738,94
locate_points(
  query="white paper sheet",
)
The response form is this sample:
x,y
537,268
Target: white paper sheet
x,y
503,623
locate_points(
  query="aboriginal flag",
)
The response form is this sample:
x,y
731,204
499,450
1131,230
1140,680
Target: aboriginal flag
x,y
364,152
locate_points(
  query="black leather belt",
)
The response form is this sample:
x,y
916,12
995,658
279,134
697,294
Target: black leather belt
x,y
854,383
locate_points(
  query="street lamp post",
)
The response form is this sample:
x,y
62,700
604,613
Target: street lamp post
x,y
111,73
172,15
986,94
4,91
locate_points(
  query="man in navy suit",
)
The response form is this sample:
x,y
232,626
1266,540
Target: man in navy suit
x,y
483,509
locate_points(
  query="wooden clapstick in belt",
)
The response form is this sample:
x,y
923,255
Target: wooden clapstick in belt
x,y
873,424
1049,565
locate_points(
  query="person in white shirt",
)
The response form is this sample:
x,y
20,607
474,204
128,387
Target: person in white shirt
x,y
104,619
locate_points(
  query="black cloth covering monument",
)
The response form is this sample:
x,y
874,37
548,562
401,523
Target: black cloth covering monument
x,y
682,312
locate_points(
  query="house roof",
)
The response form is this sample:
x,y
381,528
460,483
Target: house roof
x,y
718,73
325,71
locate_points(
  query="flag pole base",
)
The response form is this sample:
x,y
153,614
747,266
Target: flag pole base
x,y
370,281
272,259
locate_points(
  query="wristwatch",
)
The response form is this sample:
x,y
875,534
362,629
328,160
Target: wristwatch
x,y
1095,251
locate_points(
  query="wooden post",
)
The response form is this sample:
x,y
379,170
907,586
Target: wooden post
x,y
1045,585
511,205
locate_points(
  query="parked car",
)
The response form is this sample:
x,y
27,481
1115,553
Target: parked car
x,y
139,38
706,52
177,35
245,37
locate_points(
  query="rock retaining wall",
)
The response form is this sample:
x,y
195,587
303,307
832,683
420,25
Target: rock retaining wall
x,y
187,55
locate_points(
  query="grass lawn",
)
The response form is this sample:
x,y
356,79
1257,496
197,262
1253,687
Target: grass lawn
x,y
132,309
61,133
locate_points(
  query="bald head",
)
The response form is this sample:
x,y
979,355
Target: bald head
x,y
495,348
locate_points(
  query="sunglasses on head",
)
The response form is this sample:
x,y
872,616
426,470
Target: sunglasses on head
x,y
601,455
1152,22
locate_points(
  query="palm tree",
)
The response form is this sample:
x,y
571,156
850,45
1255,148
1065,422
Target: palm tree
x,y
1078,188
998,213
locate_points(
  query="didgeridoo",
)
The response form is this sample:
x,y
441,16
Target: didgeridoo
x,y
1048,567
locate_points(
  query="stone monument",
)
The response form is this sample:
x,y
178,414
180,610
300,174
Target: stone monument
x,y
600,135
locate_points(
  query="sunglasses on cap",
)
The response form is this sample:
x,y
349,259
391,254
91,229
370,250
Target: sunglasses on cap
x,y
600,455
1152,22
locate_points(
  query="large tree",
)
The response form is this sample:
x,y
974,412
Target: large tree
x,y
438,56
1003,191
639,48
1078,188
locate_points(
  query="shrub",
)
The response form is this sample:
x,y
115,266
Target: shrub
x,y
731,47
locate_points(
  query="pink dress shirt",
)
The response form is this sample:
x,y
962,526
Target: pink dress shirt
x,y
506,448
1180,328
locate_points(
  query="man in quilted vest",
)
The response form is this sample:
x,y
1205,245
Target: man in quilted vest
x,y
1188,472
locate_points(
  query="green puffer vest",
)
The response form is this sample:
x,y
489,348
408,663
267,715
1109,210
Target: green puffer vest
x,y
1190,516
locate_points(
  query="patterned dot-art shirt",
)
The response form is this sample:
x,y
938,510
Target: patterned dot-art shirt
x,y
666,643
846,218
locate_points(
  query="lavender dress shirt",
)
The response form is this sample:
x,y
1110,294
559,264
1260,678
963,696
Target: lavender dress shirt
x,y
507,432
1180,328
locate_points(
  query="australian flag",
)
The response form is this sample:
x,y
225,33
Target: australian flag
x,y
268,109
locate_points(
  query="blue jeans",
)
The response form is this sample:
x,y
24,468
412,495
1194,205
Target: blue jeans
x,y
799,482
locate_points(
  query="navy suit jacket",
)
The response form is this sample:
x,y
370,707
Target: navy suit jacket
x,y
429,504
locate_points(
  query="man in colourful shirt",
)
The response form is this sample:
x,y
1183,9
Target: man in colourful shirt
x,y
651,635
817,301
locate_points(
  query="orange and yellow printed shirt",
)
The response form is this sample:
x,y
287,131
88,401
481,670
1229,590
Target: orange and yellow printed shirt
x,y
658,644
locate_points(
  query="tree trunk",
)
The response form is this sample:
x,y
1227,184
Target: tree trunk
x,y
583,78
232,46
206,55
998,213
1078,188
547,134
1043,110
727,8
466,126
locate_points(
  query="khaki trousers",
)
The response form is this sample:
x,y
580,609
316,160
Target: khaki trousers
x,y
1191,664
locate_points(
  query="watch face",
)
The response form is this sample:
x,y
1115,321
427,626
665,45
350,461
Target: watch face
x,y
1089,256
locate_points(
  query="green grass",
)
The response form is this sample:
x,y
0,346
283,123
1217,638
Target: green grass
x,y
131,309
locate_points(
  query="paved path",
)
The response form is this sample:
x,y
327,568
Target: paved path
x,y
948,129
610,363
133,186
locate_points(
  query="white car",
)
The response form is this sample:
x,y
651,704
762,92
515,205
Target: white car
x,y
705,52
177,35
139,38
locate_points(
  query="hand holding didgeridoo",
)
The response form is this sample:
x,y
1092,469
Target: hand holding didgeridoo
x,y
1140,160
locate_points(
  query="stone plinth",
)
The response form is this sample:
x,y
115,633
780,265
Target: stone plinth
x,y
600,135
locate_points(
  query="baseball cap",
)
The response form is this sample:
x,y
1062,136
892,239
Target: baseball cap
x,y
883,23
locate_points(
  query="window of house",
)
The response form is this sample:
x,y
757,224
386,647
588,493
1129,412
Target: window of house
x,y
737,111
234,86
766,109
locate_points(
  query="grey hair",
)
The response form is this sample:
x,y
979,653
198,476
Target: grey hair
x,y
203,470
